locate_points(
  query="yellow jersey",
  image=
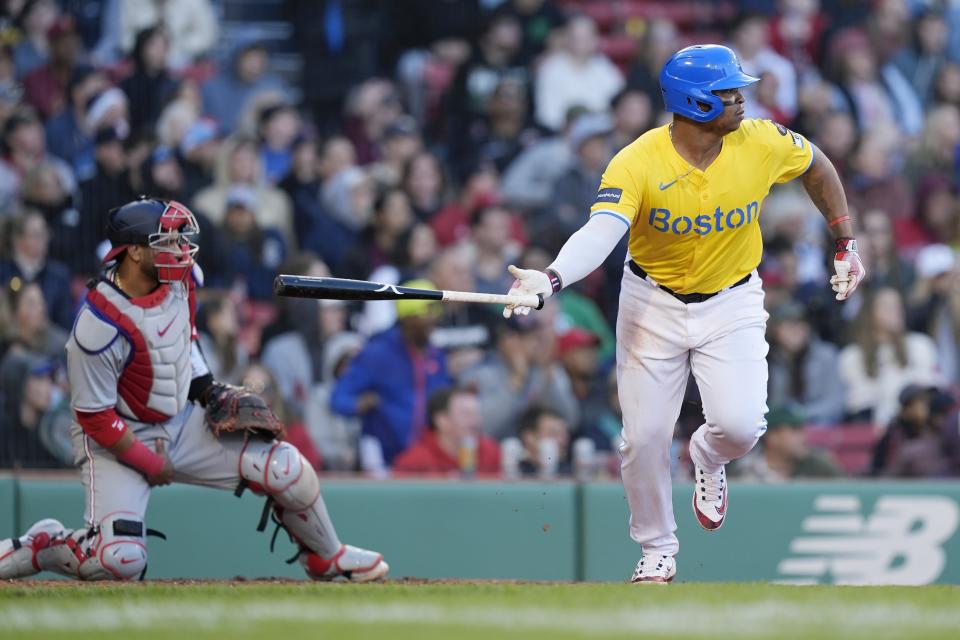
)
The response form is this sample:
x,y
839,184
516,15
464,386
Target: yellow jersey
x,y
698,231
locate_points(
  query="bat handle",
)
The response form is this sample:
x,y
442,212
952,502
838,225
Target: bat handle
x,y
540,298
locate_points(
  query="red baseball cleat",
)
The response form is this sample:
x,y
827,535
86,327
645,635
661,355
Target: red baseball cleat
x,y
710,498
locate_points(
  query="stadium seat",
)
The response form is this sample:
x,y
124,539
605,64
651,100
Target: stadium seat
x,y
851,445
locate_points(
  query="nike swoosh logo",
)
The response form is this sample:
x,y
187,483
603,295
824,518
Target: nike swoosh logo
x,y
161,332
127,560
670,184
722,509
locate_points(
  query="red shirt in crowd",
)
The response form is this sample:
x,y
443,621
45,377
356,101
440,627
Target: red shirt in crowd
x,y
427,456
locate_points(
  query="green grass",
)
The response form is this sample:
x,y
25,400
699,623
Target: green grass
x,y
285,611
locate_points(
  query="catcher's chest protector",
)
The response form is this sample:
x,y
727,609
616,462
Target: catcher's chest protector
x,y
154,384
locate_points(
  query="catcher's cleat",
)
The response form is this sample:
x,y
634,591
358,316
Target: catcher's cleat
x,y
710,498
350,564
18,556
654,569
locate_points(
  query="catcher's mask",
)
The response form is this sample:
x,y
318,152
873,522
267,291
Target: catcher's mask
x,y
167,227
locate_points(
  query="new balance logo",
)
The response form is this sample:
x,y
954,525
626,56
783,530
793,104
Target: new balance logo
x,y
900,542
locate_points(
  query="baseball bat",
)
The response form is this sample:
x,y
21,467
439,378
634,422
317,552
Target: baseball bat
x,y
345,289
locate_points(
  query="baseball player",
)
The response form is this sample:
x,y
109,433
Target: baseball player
x,y
690,195
136,377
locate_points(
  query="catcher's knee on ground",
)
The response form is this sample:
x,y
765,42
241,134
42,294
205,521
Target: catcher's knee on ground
x,y
113,550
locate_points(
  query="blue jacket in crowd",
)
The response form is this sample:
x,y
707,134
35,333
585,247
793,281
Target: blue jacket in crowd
x,y
402,378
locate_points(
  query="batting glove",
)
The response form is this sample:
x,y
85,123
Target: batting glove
x,y
849,268
530,282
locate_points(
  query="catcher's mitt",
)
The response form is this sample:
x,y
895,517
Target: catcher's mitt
x,y
231,408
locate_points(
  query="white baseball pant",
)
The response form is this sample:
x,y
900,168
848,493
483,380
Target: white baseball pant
x,y
659,341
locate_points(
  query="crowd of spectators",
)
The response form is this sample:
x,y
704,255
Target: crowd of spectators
x,y
438,142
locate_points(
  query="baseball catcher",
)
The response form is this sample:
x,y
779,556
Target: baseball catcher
x,y
148,413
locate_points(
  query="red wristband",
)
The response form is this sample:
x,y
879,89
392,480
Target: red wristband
x,y
142,459
837,221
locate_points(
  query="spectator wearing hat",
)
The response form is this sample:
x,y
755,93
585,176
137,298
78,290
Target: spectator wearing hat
x,y
802,367
27,394
521,372
578,354
576,74
934,305
150,86
28,262
884,358
917,443
108,109
198,152
784,454
68,136
393,406
453,418
24,150
576,190
35,19
46,86
255,252
227,94
279,128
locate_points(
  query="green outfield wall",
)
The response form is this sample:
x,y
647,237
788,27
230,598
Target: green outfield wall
x,y
858,533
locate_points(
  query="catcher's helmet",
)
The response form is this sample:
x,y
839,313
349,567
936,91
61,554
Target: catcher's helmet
x,y
691,75
167,227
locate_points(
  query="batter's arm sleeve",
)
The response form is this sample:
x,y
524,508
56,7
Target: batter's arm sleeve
x,y
588,247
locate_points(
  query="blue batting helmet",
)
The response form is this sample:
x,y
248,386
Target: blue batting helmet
x,y
691,75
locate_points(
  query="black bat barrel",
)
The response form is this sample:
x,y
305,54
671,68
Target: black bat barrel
x,y
344,289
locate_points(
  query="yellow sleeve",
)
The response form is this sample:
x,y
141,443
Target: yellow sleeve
x,y
619,195
790,153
